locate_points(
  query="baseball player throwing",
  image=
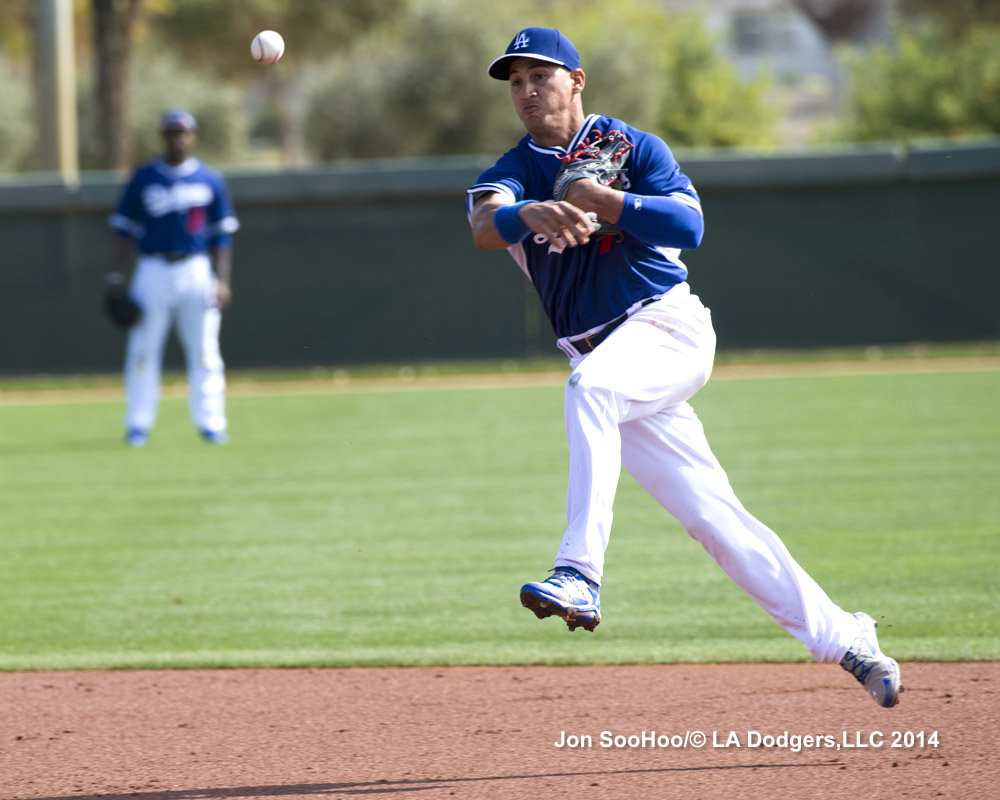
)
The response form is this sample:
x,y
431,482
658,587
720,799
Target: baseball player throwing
x,y
640,345
177,211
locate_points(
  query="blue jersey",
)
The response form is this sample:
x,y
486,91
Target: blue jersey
x,y
584,287
175,209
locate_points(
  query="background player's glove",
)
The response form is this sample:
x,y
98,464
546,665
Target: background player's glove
x,y
600,159
121,308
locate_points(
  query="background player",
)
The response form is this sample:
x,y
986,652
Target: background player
x,y
640,345
177,211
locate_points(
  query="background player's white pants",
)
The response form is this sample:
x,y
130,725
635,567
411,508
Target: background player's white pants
x,y
625,404
181,295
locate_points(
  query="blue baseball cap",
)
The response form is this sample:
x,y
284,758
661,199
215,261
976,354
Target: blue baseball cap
x,y
541,44
178,120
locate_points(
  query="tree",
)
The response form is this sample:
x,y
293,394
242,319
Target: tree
x,y
707,104
403,105
114,22
954,16
164,81
215,35
674,82
931,84
17,133
24,73
16,23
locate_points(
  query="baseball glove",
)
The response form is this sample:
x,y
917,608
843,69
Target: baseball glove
x,y
600,158
121,308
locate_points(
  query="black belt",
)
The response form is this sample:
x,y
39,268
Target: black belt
x,y
587,344
173,258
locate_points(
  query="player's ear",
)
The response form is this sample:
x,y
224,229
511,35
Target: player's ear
x,y
579,79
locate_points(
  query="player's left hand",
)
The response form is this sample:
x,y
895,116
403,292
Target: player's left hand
x,y
223,295
605,202
561,222
118,304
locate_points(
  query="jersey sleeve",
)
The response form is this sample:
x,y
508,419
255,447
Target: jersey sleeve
x,y
128,219
222,221
661,206
658,173
506,177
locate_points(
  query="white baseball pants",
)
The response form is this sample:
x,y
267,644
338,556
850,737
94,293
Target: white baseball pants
x,y
181,295
626,404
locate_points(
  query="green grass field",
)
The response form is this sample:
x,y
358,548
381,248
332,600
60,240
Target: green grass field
x,y
380,528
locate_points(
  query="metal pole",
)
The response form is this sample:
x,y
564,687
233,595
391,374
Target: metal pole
x,y
57,138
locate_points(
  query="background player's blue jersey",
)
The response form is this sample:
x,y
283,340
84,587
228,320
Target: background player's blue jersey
x,y
584,287
175,209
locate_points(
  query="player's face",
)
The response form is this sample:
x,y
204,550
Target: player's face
x,y
543,94
178,145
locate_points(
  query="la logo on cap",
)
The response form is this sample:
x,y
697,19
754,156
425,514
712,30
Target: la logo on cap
x,y
541,44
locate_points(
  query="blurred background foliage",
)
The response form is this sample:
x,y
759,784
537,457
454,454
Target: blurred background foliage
x,y
406,78
935,82
665,72
222,120
17,134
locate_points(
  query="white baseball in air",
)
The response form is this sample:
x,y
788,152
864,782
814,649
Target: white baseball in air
x,y
267,47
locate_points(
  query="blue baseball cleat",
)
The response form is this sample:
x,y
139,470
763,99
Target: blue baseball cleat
x,y
566,594
136,438
874,670
215,437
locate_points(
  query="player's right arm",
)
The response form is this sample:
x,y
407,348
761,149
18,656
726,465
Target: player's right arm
x,y
561,223
484,230
127,225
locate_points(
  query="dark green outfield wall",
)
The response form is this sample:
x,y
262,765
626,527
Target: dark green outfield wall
x,y
870,246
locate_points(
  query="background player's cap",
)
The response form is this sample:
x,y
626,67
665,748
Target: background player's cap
x,y
544,44
178,120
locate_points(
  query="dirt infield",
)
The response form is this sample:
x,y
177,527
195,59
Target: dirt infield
x,y
491,732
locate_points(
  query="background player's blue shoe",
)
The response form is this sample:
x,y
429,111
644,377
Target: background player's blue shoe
x,y
136,438
874,670
215,437
566,594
